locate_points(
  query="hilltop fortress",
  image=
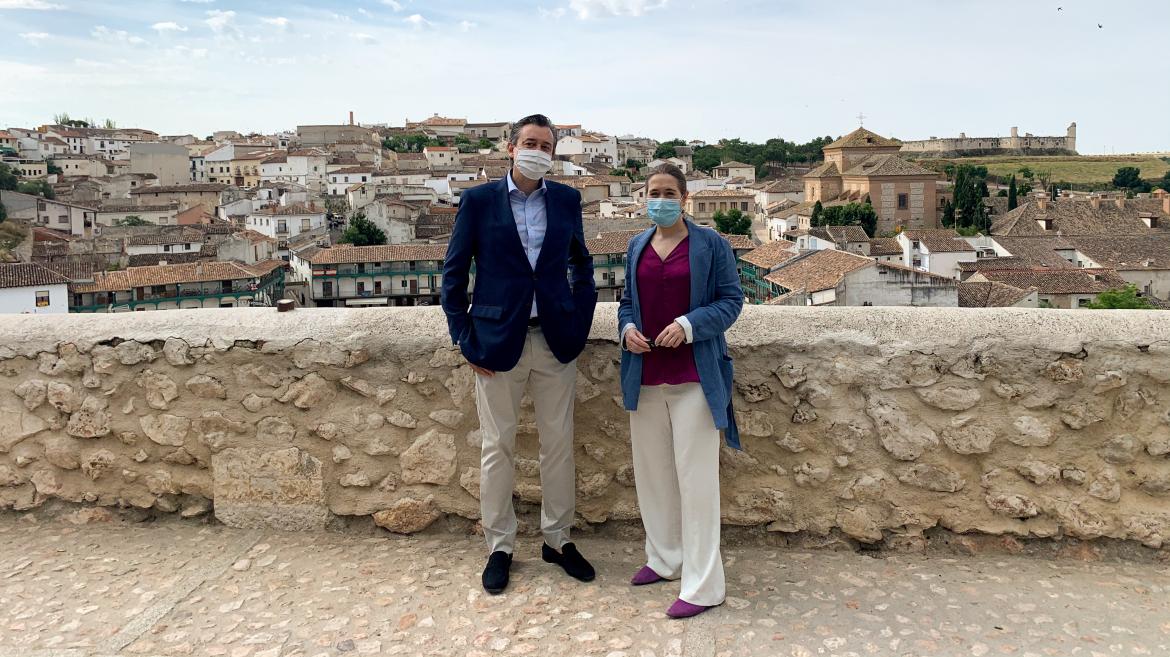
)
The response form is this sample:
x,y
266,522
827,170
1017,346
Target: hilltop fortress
x,y
963,145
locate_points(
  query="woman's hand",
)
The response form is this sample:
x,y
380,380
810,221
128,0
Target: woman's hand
x,y
636,342
671,336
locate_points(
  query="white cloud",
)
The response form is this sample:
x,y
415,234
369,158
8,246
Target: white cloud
x,y
222,22
363,12
168,26
362,37
34,38
29,4
393,4
278,21
551,13
466,26
186,51
89,63
417,21
103,33
586,9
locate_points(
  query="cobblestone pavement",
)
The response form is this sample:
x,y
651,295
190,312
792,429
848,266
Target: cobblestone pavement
x,y
186,588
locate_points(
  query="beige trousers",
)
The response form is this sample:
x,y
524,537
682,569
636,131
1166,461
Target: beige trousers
x,y
676,473
554,386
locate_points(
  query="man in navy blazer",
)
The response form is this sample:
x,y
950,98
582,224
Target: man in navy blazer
x,y
526,324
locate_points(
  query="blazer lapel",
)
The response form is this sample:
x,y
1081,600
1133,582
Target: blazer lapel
x,y
508,220
700,261
636,250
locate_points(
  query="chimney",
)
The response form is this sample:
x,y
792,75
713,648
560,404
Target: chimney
x,y
1166,204
351,117
1042,201
1121,202
1095,201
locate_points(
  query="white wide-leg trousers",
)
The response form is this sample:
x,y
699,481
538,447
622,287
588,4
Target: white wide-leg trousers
x,y
676,472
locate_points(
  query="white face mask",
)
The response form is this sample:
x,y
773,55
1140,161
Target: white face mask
x,y
533,164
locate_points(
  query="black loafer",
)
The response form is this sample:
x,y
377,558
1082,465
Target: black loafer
x,y
495,575
571,560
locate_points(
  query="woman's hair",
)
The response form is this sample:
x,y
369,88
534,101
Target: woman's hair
x,y
672,171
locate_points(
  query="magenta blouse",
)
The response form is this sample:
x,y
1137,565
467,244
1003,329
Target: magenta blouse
x,y
664,288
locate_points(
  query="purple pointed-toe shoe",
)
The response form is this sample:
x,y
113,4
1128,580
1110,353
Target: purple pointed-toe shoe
x,y
646,576
683,609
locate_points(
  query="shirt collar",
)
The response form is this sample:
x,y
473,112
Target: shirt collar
x,y
513,188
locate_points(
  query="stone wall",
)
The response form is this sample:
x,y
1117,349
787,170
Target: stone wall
x,y
874,422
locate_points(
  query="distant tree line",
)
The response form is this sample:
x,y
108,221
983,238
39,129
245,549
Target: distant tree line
x,y
775,152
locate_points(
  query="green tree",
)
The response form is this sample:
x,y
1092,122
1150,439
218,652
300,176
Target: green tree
x,y
634,165
734,222
1013,200
3,212
1053,192
852,214
817,211
109,124
948,218
970,211
36,187
1121,298
132,220
8,180
53,168
1026,172
1127,177
1165,183
362,232
666,149
485,144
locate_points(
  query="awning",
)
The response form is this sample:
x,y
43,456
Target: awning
x,y
379,301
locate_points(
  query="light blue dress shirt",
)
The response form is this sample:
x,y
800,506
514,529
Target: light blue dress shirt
x,y
530,211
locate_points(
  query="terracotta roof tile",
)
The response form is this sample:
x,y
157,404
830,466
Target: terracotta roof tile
x,y
990,294
27,274
343,254
212,270
770,254
1058,281
884,246
862,138
888,165
193,187
817,270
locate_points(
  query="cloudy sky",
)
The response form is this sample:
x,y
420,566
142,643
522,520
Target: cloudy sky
x,y
703,69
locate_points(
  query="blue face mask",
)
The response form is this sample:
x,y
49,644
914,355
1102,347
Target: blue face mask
x,y
664,211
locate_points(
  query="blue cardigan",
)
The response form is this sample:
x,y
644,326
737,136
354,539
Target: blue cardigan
x,y
716,300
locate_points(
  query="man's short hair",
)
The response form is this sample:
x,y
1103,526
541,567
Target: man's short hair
x,y
538,120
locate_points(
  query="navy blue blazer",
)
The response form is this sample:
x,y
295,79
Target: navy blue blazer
x,y
492,331
716,301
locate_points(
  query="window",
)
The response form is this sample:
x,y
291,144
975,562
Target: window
x,y
186,247
914,245
42,298
722,205
1082,302
702,207
167,248
903,201
305,225
743,205
62,219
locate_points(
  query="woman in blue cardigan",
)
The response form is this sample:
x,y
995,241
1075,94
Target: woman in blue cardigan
x,y
682,293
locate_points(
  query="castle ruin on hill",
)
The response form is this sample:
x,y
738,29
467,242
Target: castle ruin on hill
x,y
964,146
